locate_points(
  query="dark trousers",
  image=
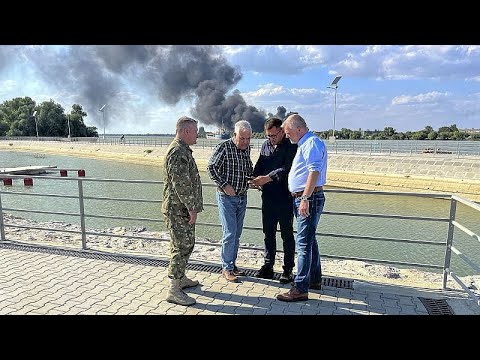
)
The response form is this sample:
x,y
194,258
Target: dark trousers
x,y
278,210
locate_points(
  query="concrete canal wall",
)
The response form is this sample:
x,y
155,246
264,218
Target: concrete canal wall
x,y
418,173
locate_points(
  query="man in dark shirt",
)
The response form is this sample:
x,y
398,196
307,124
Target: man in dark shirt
x,y
271,174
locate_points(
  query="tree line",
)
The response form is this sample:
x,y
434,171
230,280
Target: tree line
x,y
389,133
17,119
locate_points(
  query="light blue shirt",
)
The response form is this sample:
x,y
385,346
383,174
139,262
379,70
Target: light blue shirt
x,y
311,156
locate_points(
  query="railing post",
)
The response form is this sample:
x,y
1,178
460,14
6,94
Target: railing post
x,y
2,227
448,249
82,214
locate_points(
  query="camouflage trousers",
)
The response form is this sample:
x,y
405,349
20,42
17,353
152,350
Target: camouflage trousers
x,y
182,236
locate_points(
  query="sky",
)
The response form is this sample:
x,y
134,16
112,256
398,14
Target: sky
x,y
147,88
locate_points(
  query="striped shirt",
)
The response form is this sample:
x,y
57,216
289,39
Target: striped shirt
x,y
230,165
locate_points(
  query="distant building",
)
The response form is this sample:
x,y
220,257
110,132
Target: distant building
x,y
471,131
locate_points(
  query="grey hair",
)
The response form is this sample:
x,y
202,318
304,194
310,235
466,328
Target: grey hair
x,y
242,124
184,122
295,121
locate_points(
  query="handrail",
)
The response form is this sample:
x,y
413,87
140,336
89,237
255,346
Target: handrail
x,y
455,224
451,220
452,148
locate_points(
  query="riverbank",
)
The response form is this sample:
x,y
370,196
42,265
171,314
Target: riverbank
x,y
417,173
247,258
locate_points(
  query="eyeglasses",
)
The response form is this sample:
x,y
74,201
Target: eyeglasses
x,y
272,136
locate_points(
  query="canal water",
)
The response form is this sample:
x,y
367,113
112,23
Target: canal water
x,y
348,225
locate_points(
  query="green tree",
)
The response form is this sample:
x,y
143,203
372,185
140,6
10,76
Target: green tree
x,y
419,135
453,128
52,120
355,135
443,135
389,131
77,126
16,115
92,131
3,128
459,135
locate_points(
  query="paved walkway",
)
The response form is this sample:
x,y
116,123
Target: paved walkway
x,y
34,282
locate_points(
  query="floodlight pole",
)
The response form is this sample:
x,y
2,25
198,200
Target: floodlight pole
x,y
334,85
103,109
68,122
103,124
334,110
36,124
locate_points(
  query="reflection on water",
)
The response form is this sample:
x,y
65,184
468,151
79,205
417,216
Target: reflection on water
x,y
379,204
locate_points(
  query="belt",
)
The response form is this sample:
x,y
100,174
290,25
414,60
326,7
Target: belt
x,y
300,193
223,192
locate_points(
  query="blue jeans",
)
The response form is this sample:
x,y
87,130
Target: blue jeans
x,y
231,211
309,268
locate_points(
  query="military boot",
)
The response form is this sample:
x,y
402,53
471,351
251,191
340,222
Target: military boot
x,y
177,296
187,283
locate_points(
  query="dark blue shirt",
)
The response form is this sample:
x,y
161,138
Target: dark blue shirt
x,y
276,163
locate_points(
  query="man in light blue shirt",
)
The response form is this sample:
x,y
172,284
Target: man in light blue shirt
x,y
305,181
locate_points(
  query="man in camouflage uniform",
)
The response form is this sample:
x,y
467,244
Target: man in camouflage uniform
x,y
182,201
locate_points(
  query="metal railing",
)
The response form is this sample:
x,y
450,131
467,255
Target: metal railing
x,y
82,215
406,147
452,224
450,148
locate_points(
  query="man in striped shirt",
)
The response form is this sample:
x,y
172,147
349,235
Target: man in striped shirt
x,y
229,168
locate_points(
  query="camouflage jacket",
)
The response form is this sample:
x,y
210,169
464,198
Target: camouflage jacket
x,y
183,188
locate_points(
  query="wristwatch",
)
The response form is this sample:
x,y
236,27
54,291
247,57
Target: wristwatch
x,y
304,197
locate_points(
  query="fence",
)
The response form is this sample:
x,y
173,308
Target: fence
x,y
452,221
380,147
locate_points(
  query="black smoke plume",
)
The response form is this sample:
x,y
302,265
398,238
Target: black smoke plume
x,y
97,75
281,111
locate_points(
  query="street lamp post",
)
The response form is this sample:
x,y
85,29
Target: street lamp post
x,y
36,124
334,85
68,121
103,109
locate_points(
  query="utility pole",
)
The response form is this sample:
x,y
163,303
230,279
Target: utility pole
x,y
36,124
334,85
103,109
68,121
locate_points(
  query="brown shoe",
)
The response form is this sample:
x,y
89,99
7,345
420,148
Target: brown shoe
x,y
228,274
237,272
293,295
